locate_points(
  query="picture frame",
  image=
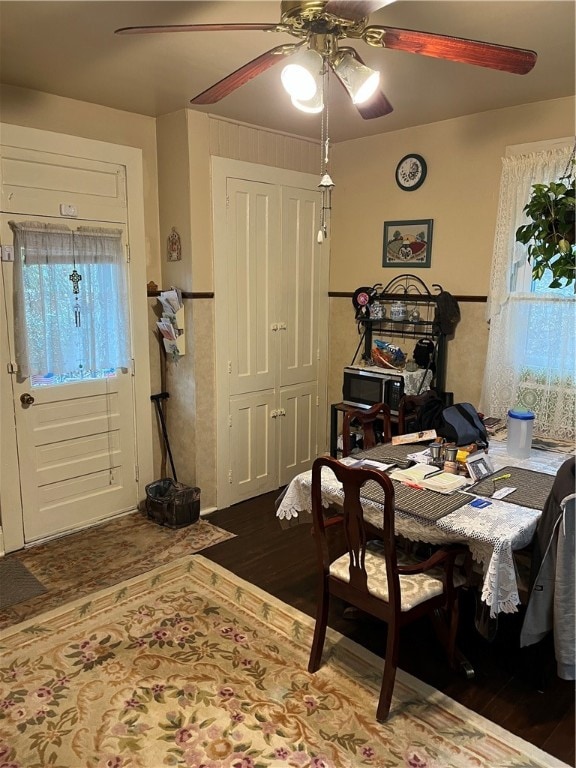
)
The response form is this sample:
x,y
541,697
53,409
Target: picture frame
x,y
479,466
407,243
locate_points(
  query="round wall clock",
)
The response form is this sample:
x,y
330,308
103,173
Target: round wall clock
x,y
411,172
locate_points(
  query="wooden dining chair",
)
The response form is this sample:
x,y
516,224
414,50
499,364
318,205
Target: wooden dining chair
x,y
409,411
374,577
365,419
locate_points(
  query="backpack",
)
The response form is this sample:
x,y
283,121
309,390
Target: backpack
x,y
460,423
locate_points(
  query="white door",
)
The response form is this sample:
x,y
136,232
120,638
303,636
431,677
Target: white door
x,y
271,283
75,437
253,418
252,266
69,453
298,426
299,289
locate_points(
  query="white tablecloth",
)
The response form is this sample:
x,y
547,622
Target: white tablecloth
x,y
491,533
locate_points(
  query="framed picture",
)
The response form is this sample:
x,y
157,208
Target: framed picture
x,y
407,243
479,465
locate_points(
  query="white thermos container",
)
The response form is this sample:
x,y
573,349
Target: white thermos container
x,y
520,425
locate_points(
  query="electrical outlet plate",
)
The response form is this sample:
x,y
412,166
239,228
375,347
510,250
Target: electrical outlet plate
x,y
7,252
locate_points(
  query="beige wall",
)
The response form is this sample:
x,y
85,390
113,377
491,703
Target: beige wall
x,y
184,188
19,106
186,142
460,194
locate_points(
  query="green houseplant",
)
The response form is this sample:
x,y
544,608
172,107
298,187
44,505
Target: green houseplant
x,y
550,233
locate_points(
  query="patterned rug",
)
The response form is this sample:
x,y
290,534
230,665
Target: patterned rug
x,y
98,557
17,583
191,666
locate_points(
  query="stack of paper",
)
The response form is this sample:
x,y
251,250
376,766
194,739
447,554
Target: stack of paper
x,y
422,457
171,303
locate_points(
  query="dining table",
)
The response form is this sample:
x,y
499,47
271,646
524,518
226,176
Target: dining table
x,y
492,528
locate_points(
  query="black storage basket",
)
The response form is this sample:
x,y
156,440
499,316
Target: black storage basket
x,y
172,504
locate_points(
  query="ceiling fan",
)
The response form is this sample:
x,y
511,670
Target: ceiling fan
x,y
322,25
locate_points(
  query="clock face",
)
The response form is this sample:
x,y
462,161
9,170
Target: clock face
x,y
411,172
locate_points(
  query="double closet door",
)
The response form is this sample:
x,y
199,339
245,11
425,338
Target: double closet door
x,y
271,340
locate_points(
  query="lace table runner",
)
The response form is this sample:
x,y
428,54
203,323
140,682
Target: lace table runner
x,y
492,533
532,488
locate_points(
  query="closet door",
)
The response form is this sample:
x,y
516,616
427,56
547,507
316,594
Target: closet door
x,y
298,429
252,266
268,286
300,283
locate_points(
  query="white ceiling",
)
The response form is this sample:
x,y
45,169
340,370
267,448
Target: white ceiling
x,y
69,49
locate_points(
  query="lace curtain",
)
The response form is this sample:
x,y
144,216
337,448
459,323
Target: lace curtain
x,y
55,330
531,348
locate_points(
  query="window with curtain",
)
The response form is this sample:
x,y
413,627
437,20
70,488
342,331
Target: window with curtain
x,y
531,360
71,319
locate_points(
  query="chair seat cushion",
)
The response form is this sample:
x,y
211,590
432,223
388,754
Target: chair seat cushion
x,y
415,589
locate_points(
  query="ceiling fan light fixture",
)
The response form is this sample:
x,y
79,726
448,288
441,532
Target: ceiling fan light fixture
x,y
361,82
299,77
312,106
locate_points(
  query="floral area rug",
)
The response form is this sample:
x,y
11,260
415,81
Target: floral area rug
x,y
191,666
89,560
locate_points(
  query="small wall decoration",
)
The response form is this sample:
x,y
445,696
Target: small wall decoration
x,y
174,246
407,243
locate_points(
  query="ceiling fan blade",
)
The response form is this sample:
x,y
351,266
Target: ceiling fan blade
x,y
355,10
377,106
195,28
519,61
241,76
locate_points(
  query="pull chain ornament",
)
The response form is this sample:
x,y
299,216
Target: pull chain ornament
x,y
75,278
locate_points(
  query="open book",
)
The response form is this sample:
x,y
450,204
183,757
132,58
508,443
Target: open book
x,y
429,477
444,482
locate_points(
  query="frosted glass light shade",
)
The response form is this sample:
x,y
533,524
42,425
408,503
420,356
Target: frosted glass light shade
x,y
361,82
299,76
313,106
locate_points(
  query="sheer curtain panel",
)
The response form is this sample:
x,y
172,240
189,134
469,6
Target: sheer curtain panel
x,y
60,331
531,350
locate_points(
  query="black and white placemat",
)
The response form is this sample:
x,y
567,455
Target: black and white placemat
x,y
423,503
532,488
390,454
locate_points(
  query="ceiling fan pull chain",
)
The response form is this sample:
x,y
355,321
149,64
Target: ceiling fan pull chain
x,y
326,183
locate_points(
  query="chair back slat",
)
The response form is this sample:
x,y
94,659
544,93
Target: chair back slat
x,y
354,526
366,418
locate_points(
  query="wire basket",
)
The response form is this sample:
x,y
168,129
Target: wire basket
x,y
172,504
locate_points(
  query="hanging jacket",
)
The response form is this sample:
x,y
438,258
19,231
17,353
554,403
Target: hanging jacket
x,y
552,600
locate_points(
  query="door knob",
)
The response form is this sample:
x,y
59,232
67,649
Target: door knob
x,y
26,399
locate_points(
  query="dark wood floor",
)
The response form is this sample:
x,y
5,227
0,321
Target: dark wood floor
x,y
506,685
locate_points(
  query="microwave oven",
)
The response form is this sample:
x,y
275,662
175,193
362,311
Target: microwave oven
x,y
365,386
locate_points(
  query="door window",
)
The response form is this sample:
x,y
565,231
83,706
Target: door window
x,y
71,320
